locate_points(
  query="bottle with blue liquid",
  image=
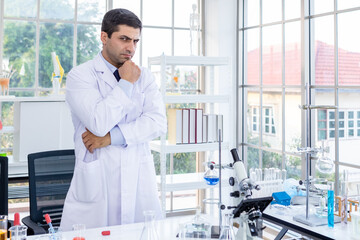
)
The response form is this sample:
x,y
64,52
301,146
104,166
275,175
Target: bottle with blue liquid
x,y
211,176
331,207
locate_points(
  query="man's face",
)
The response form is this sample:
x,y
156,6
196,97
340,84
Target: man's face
x,y
121,46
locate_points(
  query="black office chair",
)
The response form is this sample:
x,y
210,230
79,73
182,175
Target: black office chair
x,y
50,174
4,186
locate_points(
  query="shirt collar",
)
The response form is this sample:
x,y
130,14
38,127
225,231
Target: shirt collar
x,y
109,65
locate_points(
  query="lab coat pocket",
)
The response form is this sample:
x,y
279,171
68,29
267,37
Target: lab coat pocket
x,y
88,182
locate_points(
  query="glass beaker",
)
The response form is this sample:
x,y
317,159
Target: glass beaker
x,y
227,231
211,176
3,227
18,232
149,231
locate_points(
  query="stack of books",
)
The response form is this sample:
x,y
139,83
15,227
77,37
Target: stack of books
x,y
191,125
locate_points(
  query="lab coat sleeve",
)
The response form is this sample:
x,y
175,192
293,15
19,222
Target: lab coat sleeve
x,y
152,122
99,114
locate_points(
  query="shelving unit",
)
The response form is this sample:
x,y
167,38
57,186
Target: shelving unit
x,y
191,181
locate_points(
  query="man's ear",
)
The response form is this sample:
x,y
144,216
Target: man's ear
x,y
103,37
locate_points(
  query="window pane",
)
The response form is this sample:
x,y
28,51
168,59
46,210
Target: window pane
x,y
350,114
341,115
253,101
322,114
252,13
271,160
321,6
157,13
182,43
322,124
88,42
322,54
54,9
349,49
293,53
292,119
252,157
293,167
252,61
91,10
344,4
155,46
272,98
271,10
292,9
62,46
183,10
19,52
20,8
132,5
272,55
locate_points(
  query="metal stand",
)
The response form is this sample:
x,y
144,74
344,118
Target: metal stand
x,y
308,150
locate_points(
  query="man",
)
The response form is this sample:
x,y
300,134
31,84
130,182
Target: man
x,y
116,110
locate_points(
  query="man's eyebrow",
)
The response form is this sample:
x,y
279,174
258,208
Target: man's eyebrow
x,y
128,38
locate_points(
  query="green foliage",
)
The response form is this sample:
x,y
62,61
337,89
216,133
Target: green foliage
x,y
183,163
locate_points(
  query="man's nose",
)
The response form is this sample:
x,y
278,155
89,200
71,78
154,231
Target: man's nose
x,y
131,46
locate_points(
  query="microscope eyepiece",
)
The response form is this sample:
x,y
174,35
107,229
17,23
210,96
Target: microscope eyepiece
x,y
235,155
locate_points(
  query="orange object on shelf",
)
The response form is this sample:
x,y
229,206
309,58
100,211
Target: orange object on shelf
x,y
4,83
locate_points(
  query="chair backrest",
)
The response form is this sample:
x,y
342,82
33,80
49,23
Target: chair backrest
x,y
4,186
50,174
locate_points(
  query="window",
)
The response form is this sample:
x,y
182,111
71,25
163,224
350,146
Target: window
x,y
31,29
270,73
348,128
268,120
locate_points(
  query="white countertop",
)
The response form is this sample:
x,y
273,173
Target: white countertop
x,y
166,229
340,230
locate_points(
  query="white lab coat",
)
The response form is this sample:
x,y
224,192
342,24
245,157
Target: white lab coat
x,y
114,185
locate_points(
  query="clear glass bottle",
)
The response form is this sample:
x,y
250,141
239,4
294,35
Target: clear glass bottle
x,y
227,231
149,231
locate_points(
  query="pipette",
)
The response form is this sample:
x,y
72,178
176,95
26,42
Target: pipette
x,y
51,228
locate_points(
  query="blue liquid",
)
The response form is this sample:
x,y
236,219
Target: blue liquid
x,y
211,180
330,208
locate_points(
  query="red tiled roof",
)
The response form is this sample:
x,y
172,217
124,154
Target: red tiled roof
x,y
348,64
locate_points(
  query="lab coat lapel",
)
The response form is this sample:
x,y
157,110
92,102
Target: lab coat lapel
x,y
104,72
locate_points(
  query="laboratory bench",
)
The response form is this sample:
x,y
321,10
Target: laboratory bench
x,y
284,219
168,228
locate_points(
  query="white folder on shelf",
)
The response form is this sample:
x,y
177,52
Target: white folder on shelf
x,y
185,125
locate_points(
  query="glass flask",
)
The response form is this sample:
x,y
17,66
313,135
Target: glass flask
x,y
211,176
227,231
149,231
324,164
197,228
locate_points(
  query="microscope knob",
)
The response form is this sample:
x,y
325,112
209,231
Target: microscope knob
x,y
222,207
232,181
235,194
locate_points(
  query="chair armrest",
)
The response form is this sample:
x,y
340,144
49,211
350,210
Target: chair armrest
x,y
33,228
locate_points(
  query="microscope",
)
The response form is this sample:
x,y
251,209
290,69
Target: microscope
x,y
249,211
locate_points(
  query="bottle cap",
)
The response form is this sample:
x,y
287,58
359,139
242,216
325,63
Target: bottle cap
x,y
16,219
47,218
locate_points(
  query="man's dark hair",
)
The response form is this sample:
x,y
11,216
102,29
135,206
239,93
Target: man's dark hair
x,y
118,16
